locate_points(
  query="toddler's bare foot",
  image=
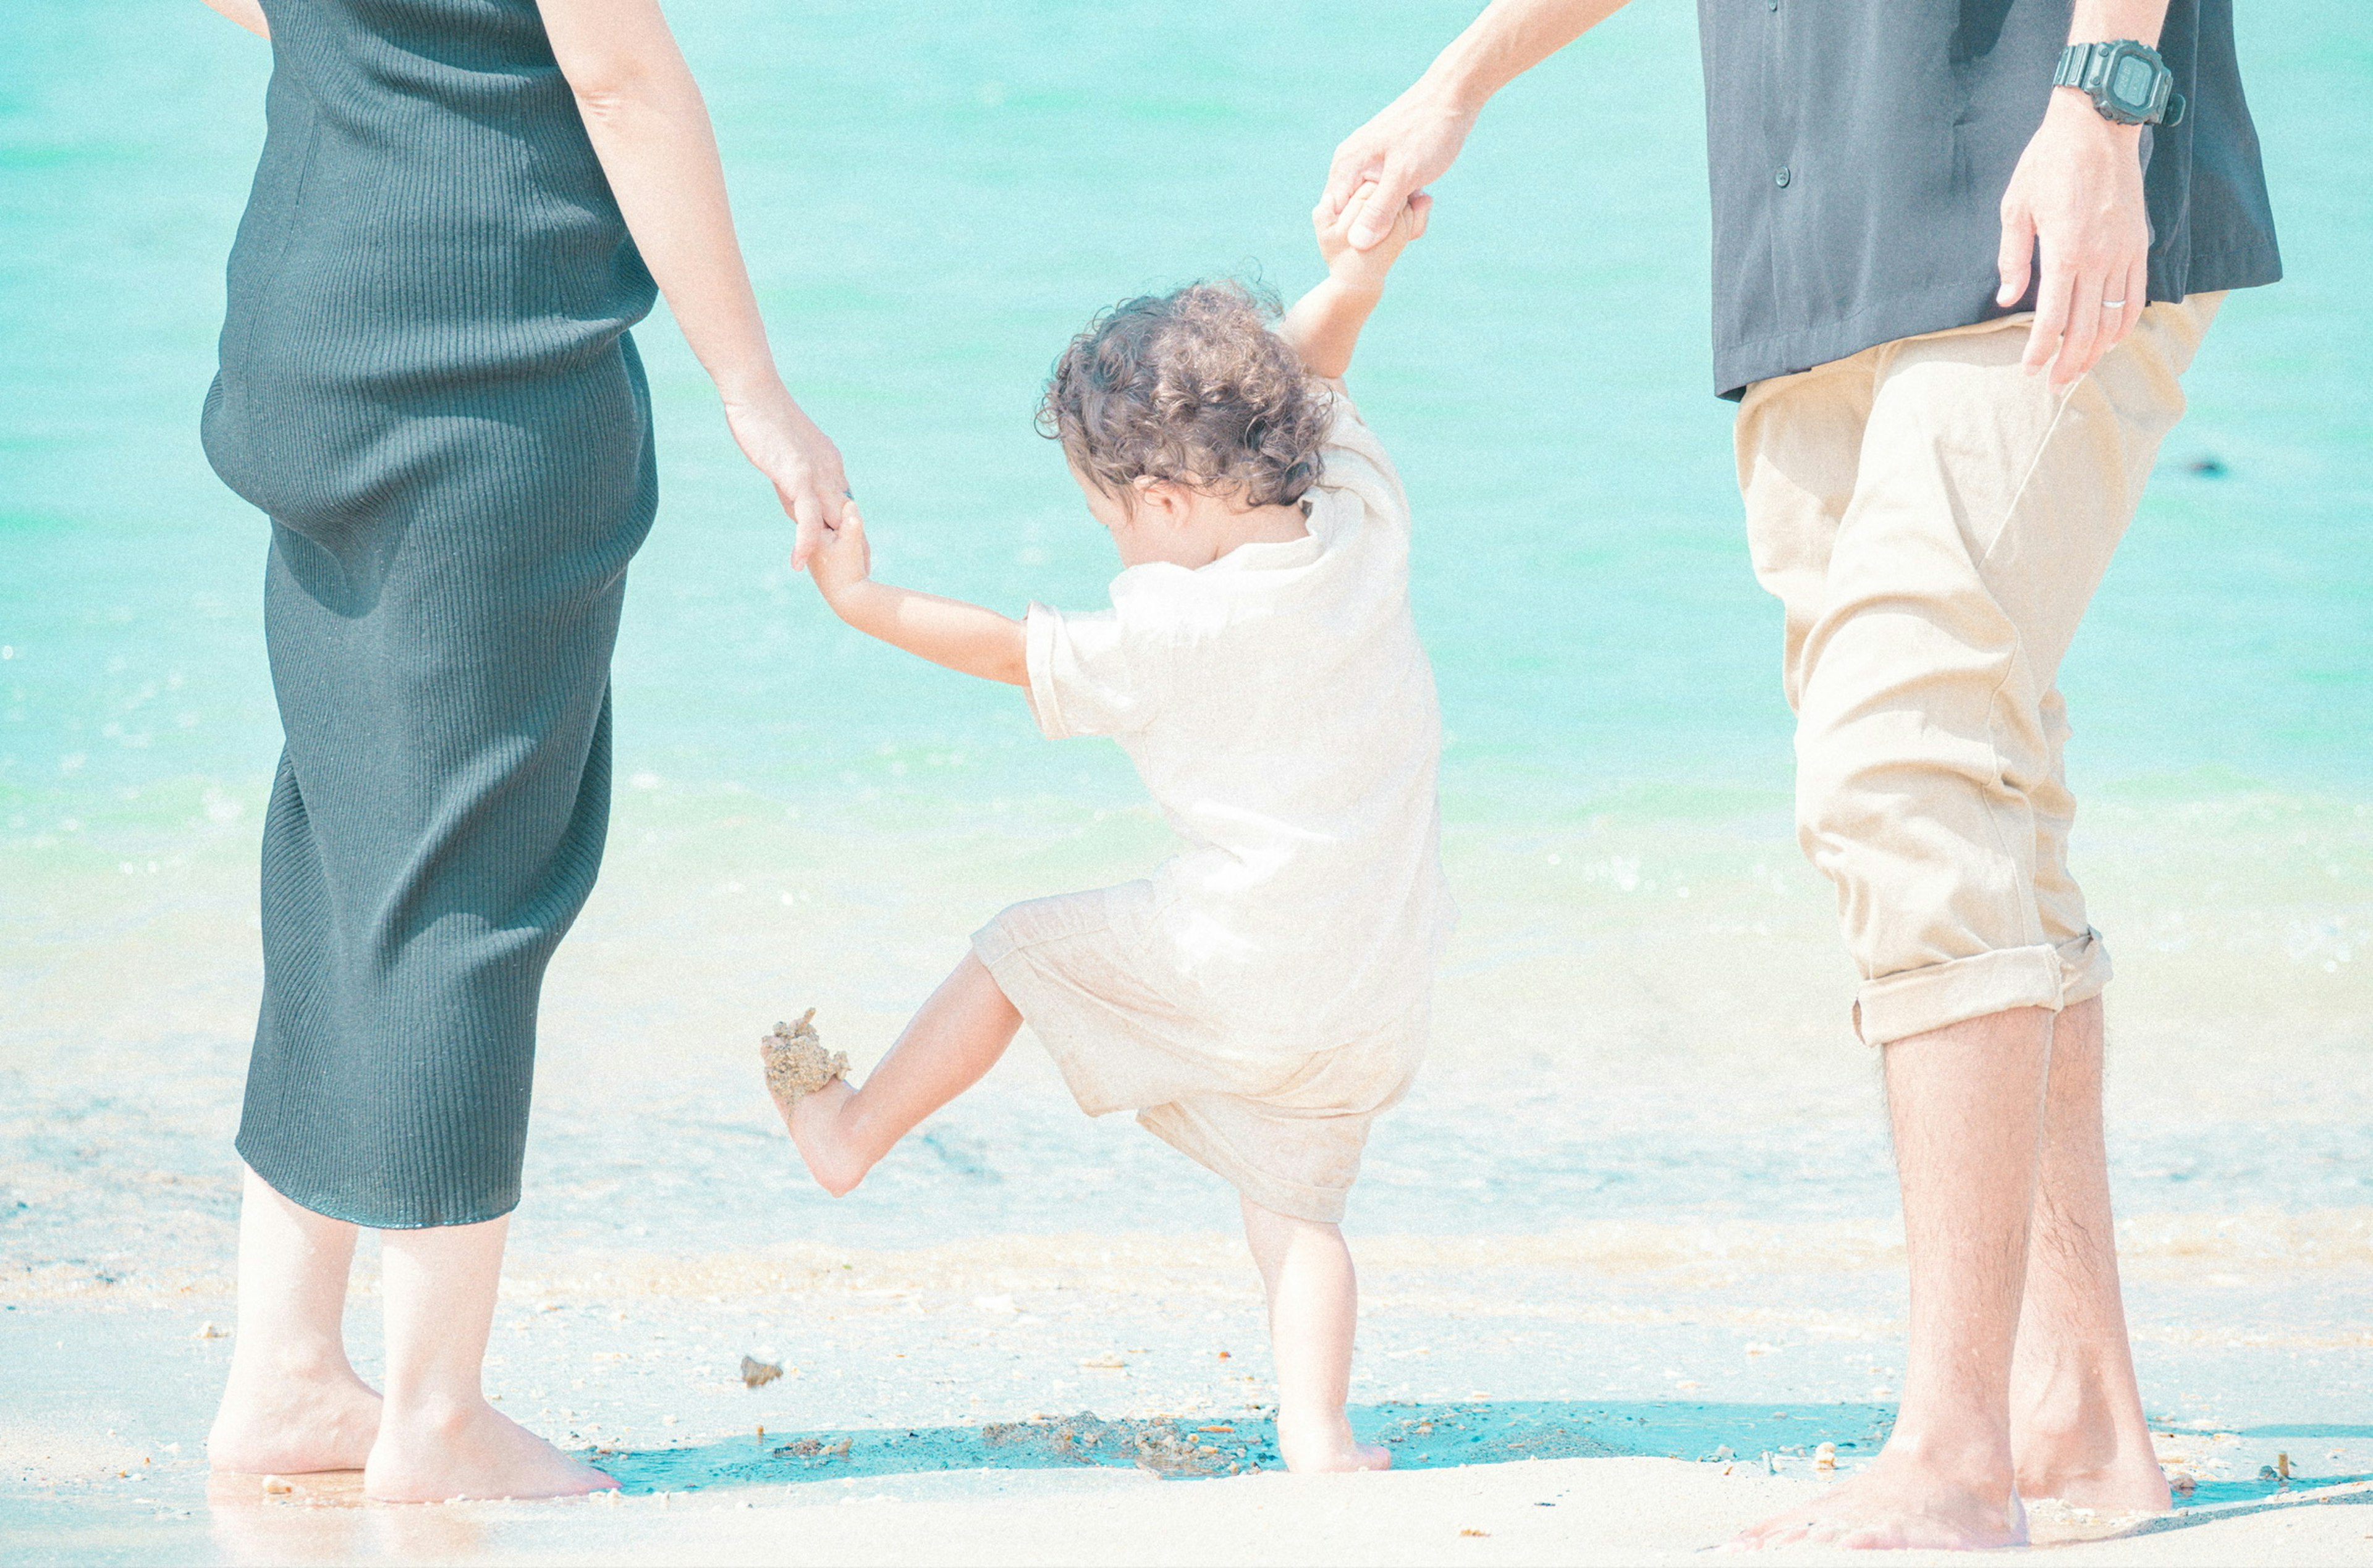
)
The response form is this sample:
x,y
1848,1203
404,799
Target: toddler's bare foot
x,y
440,1453
810,1089
797,1063
293,1422
815,1124
1311,1446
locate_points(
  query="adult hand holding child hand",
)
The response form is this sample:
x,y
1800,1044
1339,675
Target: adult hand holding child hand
x,y
797,458
1363,268
840,557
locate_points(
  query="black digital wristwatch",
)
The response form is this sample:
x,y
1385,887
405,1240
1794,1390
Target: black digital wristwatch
x,y
2127,81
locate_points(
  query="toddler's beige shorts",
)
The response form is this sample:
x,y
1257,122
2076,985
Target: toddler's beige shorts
x,y
1287,1131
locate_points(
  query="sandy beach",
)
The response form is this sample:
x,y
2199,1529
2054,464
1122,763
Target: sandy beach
x,y
1608,1263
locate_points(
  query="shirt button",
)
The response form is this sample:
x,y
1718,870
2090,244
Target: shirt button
x,y
1782,178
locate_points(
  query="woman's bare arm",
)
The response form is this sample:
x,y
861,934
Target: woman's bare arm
x,y
651,131
248,14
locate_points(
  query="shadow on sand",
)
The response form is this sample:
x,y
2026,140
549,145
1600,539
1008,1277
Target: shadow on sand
x,y
1422,1436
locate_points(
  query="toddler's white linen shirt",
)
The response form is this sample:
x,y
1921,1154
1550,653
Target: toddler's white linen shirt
x,y
1281,713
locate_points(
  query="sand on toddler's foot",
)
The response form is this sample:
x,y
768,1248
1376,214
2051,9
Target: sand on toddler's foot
x,y
797,1063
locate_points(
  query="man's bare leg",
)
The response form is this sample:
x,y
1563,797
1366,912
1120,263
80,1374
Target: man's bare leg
x,y
2077,1432
439,1438
945,1049
1966,1106
1314,1311
293,1404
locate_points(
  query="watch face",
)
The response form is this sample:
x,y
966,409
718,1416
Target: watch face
x,y
2131,82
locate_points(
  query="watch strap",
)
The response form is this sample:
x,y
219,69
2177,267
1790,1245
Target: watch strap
x,y
2086,67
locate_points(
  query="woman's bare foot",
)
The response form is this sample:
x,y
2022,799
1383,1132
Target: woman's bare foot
x,y
443,1453
1904,1500
1309,1447
293,1422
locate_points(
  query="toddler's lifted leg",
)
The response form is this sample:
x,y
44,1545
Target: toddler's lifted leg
x,y
1313,1308
962,1030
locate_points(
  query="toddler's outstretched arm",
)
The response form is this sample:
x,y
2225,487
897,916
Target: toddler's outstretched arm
x,y
1324,325
945,630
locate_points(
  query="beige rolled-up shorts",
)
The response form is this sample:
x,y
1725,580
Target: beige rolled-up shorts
x,y
1935,521
1286,1130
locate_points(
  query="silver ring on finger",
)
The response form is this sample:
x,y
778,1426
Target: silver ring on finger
x,y
2113,304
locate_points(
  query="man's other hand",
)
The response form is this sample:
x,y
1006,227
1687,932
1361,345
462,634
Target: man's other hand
x,y
2077,197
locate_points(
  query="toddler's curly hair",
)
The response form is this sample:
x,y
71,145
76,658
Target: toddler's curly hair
x,y
1192,387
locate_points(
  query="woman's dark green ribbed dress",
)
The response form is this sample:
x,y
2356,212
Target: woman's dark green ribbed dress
x,y
427,386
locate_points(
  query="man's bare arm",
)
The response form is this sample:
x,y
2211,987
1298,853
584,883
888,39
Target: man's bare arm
x,y
2077,197
1414,141
248,14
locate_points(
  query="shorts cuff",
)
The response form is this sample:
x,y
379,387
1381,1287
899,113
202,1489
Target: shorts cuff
x,y
1179,1127
1027,988
2083,969
1931,997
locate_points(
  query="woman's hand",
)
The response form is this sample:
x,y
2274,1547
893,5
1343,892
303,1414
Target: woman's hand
x,y
785,446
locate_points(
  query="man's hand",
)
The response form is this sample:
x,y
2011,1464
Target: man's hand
x,y
841,558
1407,147
1415,140
2077,195
1363,270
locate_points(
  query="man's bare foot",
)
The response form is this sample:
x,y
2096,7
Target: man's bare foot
x,y
1904,1500
449,1452
2096,1475
1309,1447
293,1423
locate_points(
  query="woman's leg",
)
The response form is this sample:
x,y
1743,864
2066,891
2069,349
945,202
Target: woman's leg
x,y
962,1030
293,1404
439,1438
1314,1308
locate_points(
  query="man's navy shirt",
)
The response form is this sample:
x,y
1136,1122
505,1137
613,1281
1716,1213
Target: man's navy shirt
x,y
1860,150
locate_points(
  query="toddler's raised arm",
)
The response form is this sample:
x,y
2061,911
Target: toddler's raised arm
x,y
945,630
1324,325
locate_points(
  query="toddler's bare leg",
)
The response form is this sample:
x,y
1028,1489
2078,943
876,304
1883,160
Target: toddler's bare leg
x,y
1313,1308
293,1403
962,1030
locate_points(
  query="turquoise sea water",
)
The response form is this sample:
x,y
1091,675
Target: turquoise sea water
x,y
932,199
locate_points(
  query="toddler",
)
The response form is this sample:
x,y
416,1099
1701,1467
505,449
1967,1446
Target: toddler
x,y
1265,993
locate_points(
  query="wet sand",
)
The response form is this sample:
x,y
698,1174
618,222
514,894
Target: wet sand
x,y
1627,1249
